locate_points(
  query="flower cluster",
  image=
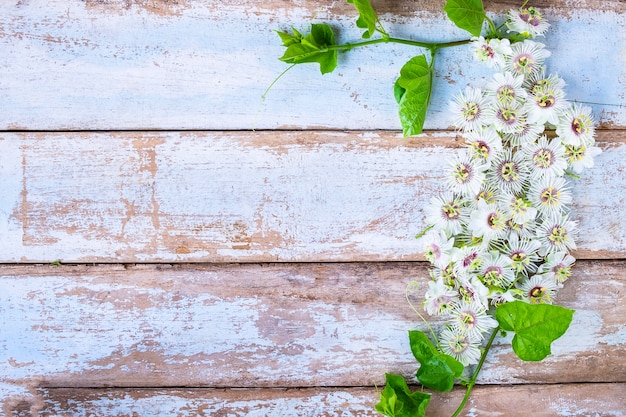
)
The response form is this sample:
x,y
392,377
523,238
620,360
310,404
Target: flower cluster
x,y
502,231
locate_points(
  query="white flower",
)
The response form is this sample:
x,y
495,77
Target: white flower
x,y
447,274
471,319
558,266
497,270
507,118
517,208
527,132
468,109
439,298
538,80
539,289
446,212
506,88
473,291
527,58
550,195
488,221
556,234
466,175
492,52
461,347
546,104
484,145
524,230
581,157
523,254
468,259
528,22
437,247
546,158
509,172
576,126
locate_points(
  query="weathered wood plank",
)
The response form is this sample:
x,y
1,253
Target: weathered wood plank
x,y
157,64
269,325
599,400
250,197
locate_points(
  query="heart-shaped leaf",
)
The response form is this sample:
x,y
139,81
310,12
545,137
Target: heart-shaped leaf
x,y
536,326
468,15
414,88
367,17
437,370
396,400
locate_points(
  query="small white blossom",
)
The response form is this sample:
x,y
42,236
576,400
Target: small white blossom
x,y
527,58
523,254
556,234
517,208
492,52
484,145
547,158
576,126
445,212
462,347
546,104
497,270
558,266
488,222
439,298
539,289
466,175
437,247
506,88
580,157
468,109
527,21
550,195
471,319
509,172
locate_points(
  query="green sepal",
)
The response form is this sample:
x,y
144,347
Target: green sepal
x,y
367,17
437,370
536,326
414,87
468,15
396,400
311,48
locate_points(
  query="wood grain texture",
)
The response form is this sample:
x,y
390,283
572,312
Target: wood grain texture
x,y
191,64
599,400
251,197
269,325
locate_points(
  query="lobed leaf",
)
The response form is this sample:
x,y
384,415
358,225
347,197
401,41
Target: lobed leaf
x,y
311,48
367,17
468,15
536,326
396,400
437,370
414,88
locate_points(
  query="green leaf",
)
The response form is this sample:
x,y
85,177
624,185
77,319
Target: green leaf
x,y
396,400
311,48
437,370
468,15
536,326
416,80
367,17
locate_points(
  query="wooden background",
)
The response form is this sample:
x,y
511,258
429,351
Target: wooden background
x,y
221,255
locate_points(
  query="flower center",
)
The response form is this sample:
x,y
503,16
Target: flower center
x,y
493,275
488,51
543,158
550,196
481,149
451,210
462,173
575,153
509,171
471,261
531,16
523,63
470,111
539,294
561,272
505,94
545,100
580,125
557,235
507,115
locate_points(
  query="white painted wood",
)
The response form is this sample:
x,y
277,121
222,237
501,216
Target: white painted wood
x,y
89,65
271,325
249,197
601,400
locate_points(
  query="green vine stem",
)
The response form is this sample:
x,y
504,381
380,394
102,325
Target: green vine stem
x,y
387,39
472,381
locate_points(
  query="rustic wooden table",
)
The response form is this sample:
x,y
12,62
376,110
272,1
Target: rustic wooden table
x,y
209,269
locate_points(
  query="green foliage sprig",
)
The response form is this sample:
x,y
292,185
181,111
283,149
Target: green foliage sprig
x,y
499,238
